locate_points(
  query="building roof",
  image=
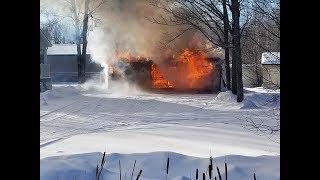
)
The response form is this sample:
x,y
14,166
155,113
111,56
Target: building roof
x,y
270,58
44,41
64,49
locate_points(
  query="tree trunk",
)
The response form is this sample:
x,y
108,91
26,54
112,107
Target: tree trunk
x,y
227,66
236,36
78,38
234,74
84,49
226,44
84,42
234,64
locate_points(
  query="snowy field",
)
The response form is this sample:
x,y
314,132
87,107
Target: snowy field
x,y
77,123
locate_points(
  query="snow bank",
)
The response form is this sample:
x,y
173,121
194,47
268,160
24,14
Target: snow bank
x,y
226,96
248,104
254,98
78,120
261,98
261,90
262,101
153,165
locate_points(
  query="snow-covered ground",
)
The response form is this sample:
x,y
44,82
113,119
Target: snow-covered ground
x,y
153,165
86,119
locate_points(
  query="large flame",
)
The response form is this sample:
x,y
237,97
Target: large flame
x,y
188,70
196,68
158,79
191,69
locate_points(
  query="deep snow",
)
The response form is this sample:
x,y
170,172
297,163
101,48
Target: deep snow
x,y
84,119
153,165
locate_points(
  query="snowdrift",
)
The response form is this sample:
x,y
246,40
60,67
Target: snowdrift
x,y
261,100
254,98
226,96
79,120
153,165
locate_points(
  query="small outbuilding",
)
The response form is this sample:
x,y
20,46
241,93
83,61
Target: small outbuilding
x,y
270,62
64,64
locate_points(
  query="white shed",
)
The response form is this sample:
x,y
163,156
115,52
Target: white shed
x,y
64,63
270,62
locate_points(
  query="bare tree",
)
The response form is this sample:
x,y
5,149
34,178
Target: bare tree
x,y
199,15
84,41
211,18
81,28
269,20
262,35
264,28
236,46
76,19
226,29
50,23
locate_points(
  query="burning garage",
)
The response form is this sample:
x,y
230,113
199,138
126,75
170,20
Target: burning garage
x,y
190,71
154,57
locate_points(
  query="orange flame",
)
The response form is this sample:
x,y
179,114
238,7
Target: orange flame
x,y
158,79
196,68
189,70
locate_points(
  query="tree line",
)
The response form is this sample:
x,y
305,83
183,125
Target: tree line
x,y
79,13
243,28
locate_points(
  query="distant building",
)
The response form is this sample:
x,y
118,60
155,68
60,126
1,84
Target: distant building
x,y
64,64
270,62
45,80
